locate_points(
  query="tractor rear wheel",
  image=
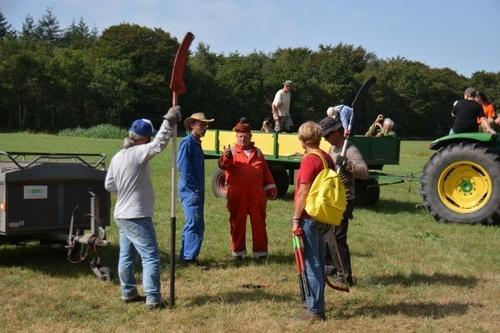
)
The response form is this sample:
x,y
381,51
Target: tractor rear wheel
x,y
461,183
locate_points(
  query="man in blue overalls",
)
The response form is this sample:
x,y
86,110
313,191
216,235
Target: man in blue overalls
x,y
191,164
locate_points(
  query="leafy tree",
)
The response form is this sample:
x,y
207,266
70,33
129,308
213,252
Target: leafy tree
x,y
489,84
69,75
151,53
110,89
204,92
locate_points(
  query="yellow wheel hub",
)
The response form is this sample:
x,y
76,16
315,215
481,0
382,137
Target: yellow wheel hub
x,y
464,187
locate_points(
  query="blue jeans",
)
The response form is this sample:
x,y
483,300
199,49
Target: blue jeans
x,y
194,227
138,236
314,257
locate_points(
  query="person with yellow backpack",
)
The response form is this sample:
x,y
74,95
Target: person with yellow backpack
x,y
309,230
352,165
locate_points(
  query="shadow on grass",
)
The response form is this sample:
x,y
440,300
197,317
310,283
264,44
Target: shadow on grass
x,y
277,258
53,262
427,310
238,297
416,278
280,258
395,207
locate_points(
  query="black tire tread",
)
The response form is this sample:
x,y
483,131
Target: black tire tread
x,y
490,214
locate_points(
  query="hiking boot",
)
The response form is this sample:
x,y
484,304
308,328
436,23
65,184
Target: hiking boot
x,y
156,305
133,299
307,315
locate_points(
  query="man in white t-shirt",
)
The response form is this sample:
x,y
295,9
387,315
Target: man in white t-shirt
x,y
129,176
281,108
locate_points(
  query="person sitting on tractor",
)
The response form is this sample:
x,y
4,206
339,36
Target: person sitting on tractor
x,y
488,109
466,112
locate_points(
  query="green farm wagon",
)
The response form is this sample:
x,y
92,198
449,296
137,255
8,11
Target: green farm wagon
x,y
283,153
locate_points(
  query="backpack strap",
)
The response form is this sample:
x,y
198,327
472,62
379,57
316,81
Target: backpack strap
x,y
325,164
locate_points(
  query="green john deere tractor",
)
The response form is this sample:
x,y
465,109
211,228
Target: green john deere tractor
x,y
461,181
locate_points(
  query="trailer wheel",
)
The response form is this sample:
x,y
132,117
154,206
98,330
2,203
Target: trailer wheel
x,y
461,183
106,273
367,192
281,181
219,186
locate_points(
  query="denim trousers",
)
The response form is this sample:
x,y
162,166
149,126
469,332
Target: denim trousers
x,y
314,257
138,236
194,226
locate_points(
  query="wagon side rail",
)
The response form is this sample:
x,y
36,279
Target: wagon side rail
x,y
15,158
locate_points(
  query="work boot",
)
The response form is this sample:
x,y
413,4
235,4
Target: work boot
x,y
194,262
261,259
133,299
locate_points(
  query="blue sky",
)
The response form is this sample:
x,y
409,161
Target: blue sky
x,y
462,35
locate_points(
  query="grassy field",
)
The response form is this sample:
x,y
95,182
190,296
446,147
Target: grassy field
x,y
413,274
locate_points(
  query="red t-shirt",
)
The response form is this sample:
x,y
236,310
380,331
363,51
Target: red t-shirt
x,y
310,166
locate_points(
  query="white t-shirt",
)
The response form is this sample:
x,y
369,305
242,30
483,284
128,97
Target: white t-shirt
x,y
282,102
129,175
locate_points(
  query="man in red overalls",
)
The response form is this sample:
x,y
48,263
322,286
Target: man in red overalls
x,y
249,184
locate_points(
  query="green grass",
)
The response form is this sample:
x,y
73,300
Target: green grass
x,y
412,273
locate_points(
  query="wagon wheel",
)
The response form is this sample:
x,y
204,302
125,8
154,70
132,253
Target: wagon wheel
x,y
461,183
281,181
367,192
219,186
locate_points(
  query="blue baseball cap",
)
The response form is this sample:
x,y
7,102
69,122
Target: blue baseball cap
x,y
142,127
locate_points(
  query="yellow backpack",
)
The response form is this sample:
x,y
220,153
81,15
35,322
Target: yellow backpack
x,y
326,201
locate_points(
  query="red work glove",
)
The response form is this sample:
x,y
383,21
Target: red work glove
x,y
272,193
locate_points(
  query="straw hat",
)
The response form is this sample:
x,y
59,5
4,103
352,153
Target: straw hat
x,y
200,116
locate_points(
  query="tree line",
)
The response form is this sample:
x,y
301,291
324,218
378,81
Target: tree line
x,y
53,78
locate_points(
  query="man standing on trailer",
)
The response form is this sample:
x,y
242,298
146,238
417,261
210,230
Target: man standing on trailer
x,y
351,166
281,108
249,181
191,164
129,176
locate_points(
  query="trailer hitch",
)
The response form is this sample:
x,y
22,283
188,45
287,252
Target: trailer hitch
x,y
91,240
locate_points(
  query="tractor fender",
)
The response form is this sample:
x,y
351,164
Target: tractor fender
x,y
484,138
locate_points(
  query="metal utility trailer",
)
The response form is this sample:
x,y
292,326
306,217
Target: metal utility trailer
x,y
58,199
283,153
